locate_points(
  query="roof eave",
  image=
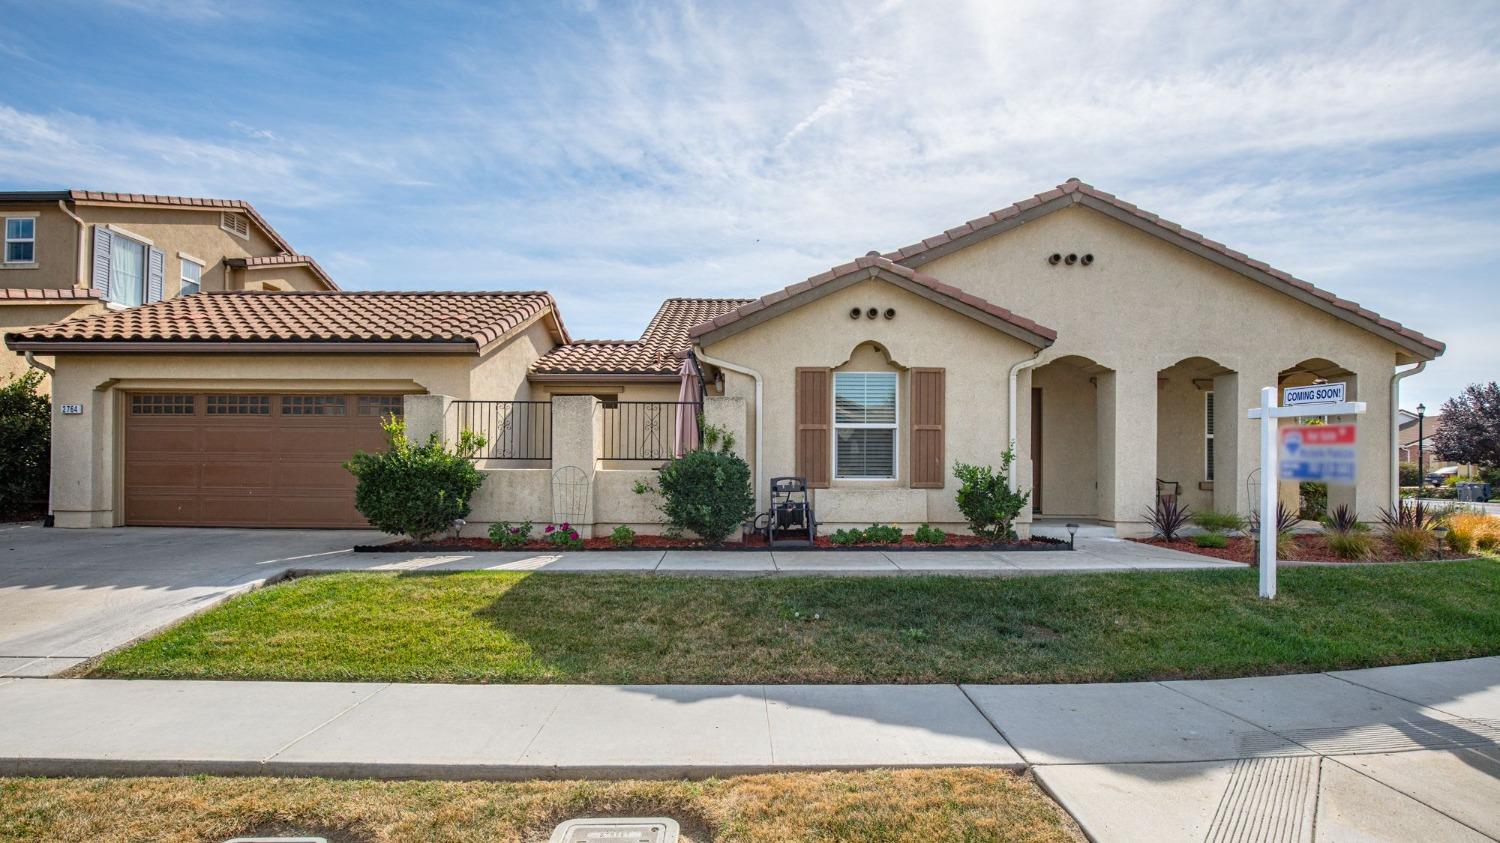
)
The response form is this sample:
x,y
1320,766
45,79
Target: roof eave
x,y
240,346
594,377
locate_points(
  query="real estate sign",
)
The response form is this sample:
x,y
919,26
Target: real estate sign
x,y
1318,453
1318,393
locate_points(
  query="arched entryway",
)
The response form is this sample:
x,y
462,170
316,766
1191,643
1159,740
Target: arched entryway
x,y
1189,462
1064,453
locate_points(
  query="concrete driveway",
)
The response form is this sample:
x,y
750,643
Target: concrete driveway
x,y
70,595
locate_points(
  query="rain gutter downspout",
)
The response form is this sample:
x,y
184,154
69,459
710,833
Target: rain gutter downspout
x,y
759,412
1396,432
1010,429
83,229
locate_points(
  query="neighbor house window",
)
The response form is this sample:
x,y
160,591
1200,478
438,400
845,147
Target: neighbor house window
x,y
20,239
192,277
1208,436
127,270
864,423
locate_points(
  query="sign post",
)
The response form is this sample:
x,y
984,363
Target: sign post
x,y
1314,453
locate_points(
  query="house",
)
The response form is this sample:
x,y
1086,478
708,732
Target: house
x,y
75,252
1116,352
1416,440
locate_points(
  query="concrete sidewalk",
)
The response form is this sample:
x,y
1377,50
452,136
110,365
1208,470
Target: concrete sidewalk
x,y
1396,753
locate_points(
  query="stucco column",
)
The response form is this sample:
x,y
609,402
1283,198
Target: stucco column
x,y
1373,478
577,440
83,493
1237,438
1127,448
1021,469
728,413
426,415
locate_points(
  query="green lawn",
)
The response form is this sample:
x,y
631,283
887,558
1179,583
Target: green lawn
x,y
506,627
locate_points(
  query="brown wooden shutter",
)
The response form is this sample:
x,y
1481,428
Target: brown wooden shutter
x,y
927,413
814,426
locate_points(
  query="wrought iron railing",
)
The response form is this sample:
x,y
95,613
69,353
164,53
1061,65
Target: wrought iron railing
x,y
513,430
644,431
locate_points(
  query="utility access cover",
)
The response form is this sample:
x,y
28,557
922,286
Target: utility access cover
x,y
617,830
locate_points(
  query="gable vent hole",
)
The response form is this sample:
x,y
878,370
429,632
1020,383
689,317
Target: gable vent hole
x,y
1086,259
1055,259
1071,259
890,313
855,313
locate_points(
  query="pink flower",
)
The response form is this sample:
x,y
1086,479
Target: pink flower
x,y
550,528
573,534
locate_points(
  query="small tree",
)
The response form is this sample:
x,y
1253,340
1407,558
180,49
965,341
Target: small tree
x,y
416,490
25,443
706,491
985,498
1470,432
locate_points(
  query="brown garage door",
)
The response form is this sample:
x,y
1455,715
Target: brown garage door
x,y
247,459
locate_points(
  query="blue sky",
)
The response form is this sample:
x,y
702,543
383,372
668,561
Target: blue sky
x,y
620,153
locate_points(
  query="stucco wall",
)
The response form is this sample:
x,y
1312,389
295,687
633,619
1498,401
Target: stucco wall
x,y
1144,305
1069,441
923,334
299,278
14,317
56,252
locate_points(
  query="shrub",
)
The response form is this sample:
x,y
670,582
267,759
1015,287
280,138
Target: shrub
x,y
1286,519
1219,522
1415,515
25,445
507,535
1352,544
622,536
562,536
926,534
985,499
1342,519
844,538
1211,540
706,490
883,534
1411,542
1467,530
1167,517
1313,499
1411,474
415,490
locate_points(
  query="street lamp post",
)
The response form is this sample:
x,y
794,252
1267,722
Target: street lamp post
x,y
1421,453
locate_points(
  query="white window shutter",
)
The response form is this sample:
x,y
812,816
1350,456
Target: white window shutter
x,y
102,242
156,270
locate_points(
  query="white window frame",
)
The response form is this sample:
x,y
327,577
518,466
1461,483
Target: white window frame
x,y
1210,421
146,246
183,259
225,216
894,427
7,240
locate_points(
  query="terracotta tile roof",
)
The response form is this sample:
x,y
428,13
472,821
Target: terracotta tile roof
x,y
1074,191
266,261
189,202
29,294
875,263
655,353
470,319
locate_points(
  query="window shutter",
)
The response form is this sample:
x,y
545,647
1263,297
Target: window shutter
x,y
102,243
156,270
814,417
928,399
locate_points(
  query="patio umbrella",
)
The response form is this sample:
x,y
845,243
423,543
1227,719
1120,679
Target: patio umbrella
x,y
685,436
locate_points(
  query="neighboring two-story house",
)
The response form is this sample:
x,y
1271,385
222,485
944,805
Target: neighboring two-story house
x,y
73,252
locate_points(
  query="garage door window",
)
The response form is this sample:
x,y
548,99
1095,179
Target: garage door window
x,y
312,405
239,405
161,405
380,405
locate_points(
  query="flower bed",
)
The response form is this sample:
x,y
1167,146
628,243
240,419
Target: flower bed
x,y
1311,548
756,541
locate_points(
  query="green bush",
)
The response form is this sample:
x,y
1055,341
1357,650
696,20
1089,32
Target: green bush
x,y
510,536
845,538
883,534
1411,474
562,536
927,534
415,490
706,490
1352,544
1219,522
1211,540
622,536
985,498
1411,542
25,445
1313,499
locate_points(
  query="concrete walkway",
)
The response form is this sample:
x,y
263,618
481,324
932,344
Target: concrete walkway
x,y
1397,753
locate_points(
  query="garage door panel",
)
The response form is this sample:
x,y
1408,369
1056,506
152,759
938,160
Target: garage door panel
x,y
248,463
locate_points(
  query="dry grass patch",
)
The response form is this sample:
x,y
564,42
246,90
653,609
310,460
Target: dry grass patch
x,y
880,805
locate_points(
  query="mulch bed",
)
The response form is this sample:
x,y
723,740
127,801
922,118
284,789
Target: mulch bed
x,y
754,542
1304,549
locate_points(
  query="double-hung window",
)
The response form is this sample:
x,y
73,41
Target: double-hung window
x,y
1208,436
192,276
20,239
864,425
